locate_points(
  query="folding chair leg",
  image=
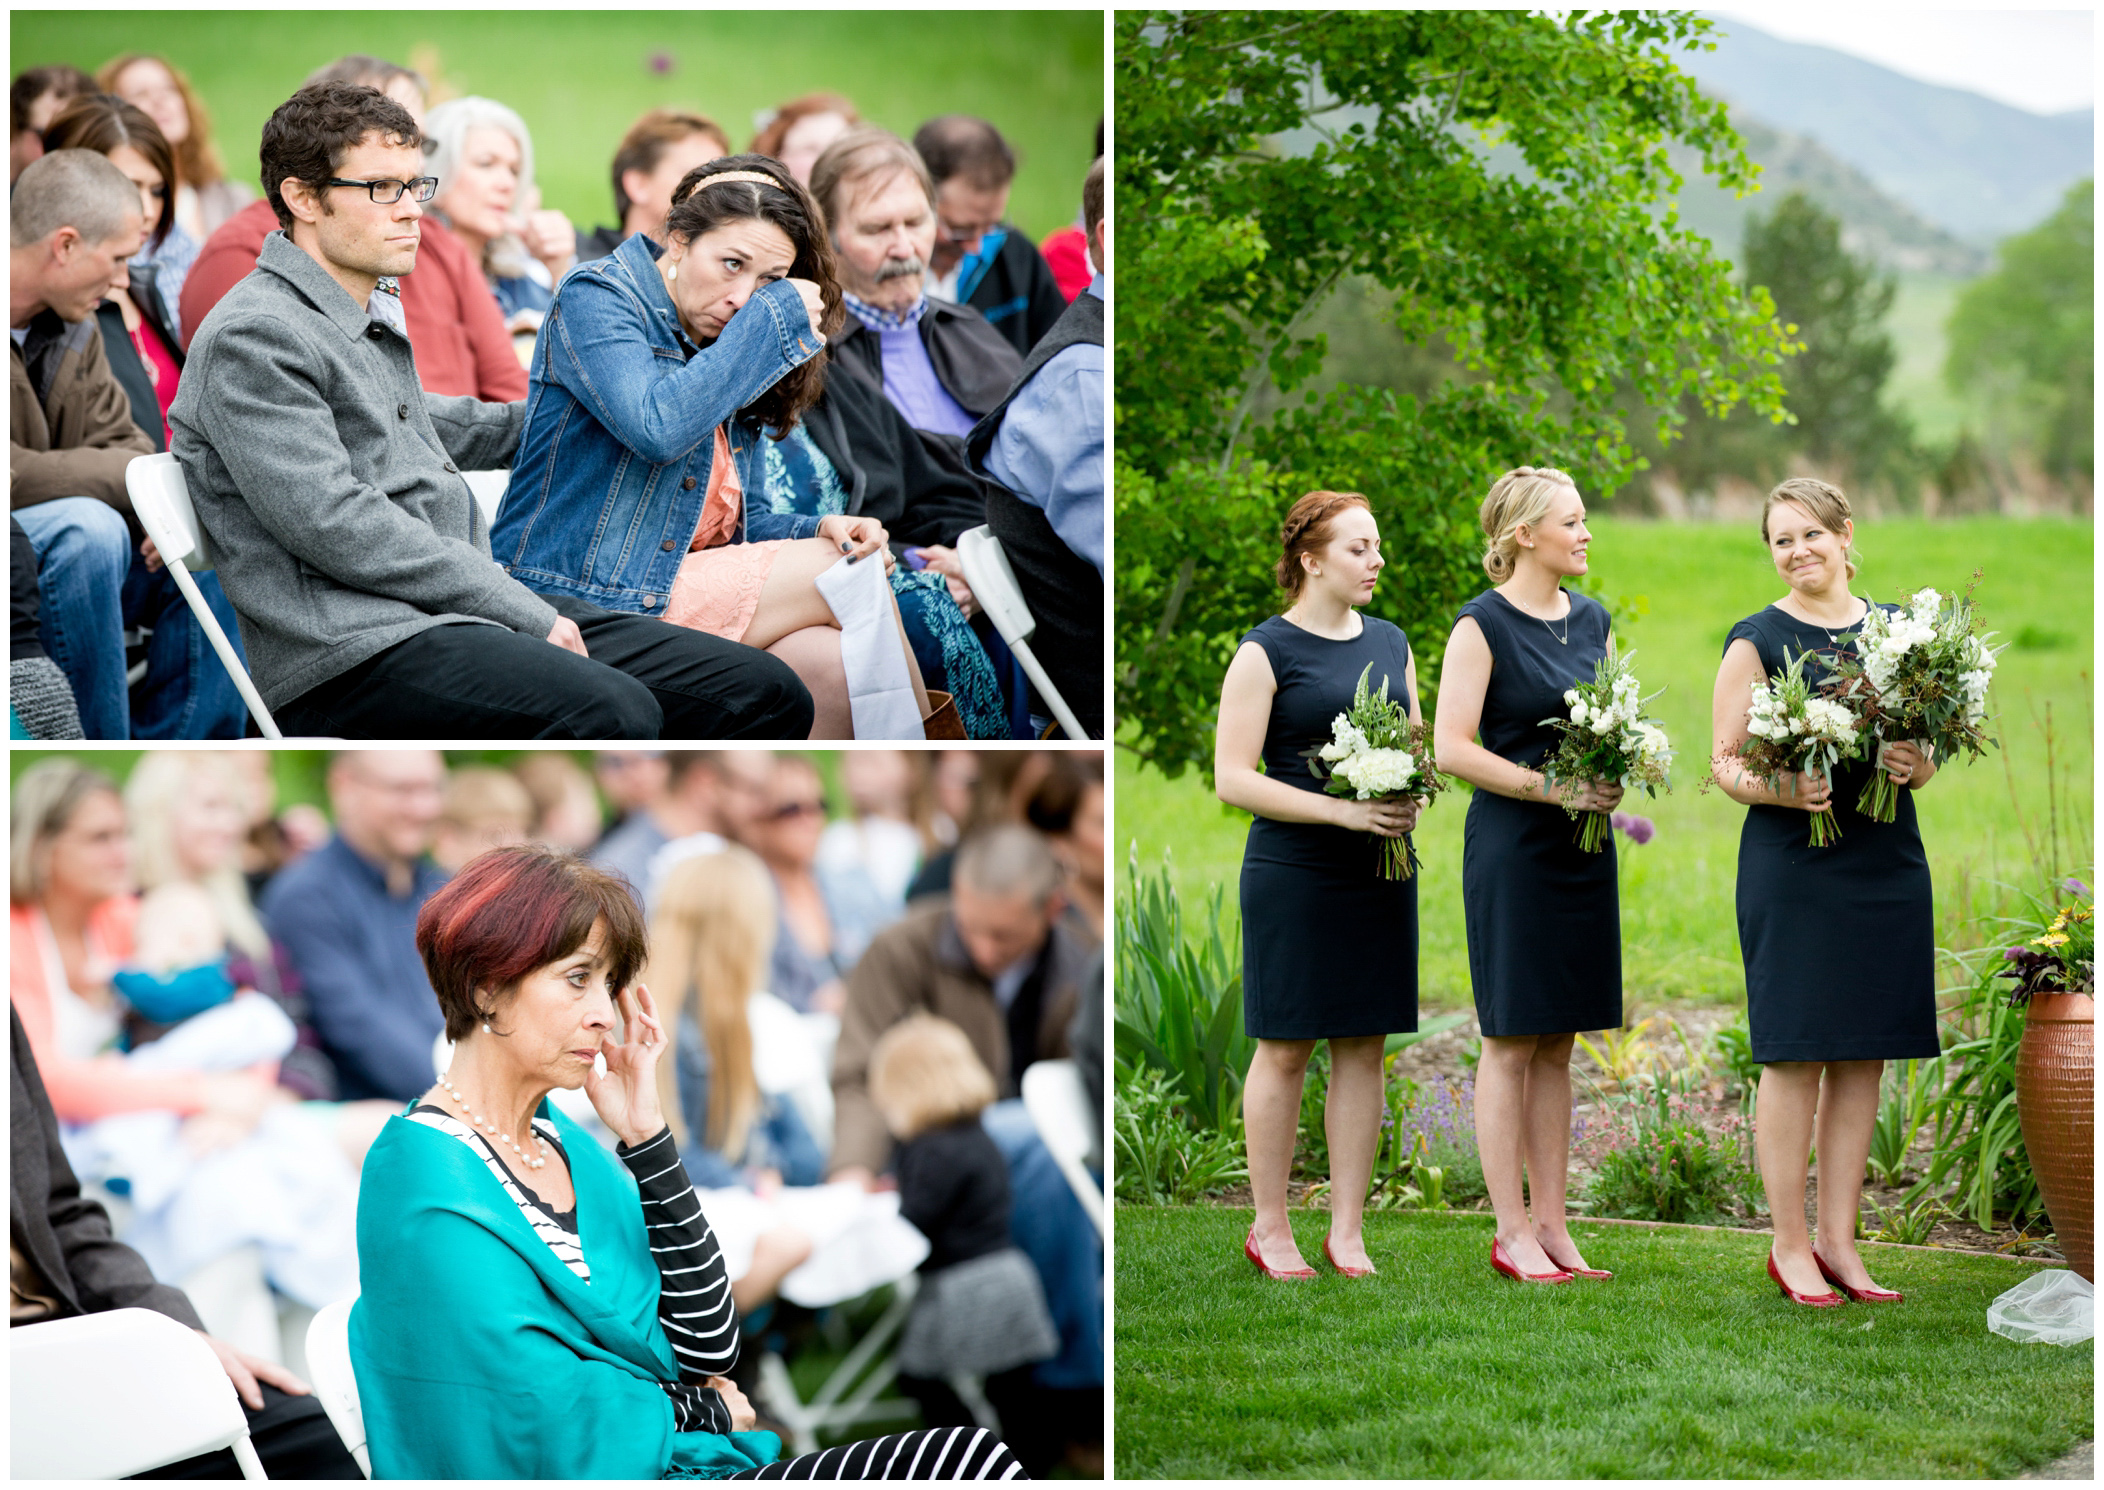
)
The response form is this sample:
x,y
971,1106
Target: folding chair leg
x,y
1053,699
228,657
245,1456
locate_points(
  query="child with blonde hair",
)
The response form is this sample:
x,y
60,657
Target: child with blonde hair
x,y
981,1309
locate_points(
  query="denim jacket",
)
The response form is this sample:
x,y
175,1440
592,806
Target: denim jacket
x,y
613,467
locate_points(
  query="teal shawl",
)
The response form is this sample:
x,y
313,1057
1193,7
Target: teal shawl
x,y
480,1356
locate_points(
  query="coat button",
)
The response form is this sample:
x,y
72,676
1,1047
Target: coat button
x,y
666,546
650,602
453,468
687,485
402,410
374,332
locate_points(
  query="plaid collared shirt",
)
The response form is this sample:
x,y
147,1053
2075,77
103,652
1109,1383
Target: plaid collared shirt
x,y
878,319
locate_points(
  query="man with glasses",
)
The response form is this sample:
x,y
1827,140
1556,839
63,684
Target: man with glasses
x,y
331,487
980,258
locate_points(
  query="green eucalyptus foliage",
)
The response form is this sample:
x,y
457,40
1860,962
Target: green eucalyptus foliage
x,y
1499,174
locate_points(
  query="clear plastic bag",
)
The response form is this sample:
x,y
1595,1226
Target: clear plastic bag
x,y
2047,1308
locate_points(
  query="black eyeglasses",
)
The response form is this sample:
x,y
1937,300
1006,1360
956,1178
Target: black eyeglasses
x,y
387,193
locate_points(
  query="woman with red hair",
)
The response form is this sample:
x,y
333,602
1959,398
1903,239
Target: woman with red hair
x,y
559,1282
1311,875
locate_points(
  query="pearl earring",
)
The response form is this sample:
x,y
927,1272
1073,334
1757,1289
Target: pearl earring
x,y
485,1027
672,271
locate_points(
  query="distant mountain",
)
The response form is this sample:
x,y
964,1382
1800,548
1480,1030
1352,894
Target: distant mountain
x,y
1872,223
1978,169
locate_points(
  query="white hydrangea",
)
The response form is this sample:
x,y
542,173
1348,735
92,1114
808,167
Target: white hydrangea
x,y
1827,720
1925,604
1346,739
1652,744
1378,773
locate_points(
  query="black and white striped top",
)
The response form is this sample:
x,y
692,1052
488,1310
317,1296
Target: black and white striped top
x,y
694,1294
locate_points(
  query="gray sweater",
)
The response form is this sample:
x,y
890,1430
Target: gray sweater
x,y
328,481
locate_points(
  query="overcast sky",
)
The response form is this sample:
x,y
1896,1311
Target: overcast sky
x,y
2040,60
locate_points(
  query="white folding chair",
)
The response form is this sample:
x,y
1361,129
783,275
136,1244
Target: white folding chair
x,y
329,1364
1058,1105
993,583
488,487
848,1397
162,502
106,1396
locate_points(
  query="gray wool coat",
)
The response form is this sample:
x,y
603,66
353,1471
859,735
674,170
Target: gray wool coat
x,y
328,482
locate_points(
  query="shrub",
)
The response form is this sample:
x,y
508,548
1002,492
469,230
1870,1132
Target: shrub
x,y
1179,996
1161,1158
1672,1155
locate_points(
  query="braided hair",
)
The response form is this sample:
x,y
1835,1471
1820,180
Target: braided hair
x,y
1307,530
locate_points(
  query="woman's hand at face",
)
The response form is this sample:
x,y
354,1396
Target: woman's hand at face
x,y
626,1097
814,305
857,537
1385,817
742,1415
548,236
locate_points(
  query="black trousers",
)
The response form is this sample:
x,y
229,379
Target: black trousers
x,y
292,1436
925,1454
644,680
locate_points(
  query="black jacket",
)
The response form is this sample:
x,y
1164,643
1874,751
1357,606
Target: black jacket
x,y
912,481
973,361
1018,294
123,353
953,1186
600,242
65,1236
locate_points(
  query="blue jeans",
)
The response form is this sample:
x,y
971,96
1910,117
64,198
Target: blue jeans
x,y
1057,1236
92,584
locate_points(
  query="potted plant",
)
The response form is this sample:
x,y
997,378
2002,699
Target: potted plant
x,y
2055,983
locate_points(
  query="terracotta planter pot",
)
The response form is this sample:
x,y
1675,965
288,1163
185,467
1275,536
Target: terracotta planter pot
x,y
2056,1102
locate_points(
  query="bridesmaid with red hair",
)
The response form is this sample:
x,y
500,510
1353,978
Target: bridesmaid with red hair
x,y
1329,946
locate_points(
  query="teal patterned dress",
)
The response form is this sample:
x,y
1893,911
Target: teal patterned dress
x,y
800,479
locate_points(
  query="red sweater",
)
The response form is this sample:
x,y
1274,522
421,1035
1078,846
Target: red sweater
x,y
456,329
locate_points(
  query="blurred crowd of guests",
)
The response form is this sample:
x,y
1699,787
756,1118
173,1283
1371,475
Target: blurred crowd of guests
x,y
225,1001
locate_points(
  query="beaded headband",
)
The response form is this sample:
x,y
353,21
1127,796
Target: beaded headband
x,y
758,178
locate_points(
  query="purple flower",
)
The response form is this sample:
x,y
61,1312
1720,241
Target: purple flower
x,y
1640,829
2013,954
661,62
2074,886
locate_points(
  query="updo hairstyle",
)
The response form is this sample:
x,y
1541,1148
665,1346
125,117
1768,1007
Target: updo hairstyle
x,y
1826,504
1520,496
1307,530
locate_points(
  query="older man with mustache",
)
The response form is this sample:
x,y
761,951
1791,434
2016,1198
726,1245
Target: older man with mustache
x,y
942,365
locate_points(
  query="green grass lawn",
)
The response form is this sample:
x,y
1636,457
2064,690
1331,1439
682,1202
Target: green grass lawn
x,y
579,78
1687,1364
1680,938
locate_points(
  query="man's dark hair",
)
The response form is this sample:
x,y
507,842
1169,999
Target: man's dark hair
x,y
960,145
308,137
36,82
1099,138
1092,197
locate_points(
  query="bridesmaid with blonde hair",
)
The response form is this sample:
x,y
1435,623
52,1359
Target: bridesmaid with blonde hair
x,y
1544,926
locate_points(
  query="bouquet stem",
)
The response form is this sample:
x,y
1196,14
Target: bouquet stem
x,y
1880,798
1398,858
1824,829
1594,829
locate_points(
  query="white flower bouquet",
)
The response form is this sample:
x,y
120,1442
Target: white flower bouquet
x,y
1918,674
1606,738
1791,728
1376,752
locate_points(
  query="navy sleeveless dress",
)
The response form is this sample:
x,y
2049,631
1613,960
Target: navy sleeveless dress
x,y
1544,922
1329,947
1839,942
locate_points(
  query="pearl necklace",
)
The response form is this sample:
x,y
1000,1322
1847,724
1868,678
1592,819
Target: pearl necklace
x,y
475,1119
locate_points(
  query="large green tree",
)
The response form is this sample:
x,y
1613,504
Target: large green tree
x,y
1499,173
2022,339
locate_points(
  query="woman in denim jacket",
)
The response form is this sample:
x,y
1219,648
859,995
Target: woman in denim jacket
x,y
629,484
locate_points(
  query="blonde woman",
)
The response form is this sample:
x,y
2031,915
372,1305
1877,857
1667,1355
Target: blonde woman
x,y
1329,946
1544,929
1839,941
711,934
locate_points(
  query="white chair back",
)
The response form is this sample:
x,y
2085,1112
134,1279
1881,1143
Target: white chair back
x,y
335,1384
993,582
106,1396
162,501
488,487
1058,1105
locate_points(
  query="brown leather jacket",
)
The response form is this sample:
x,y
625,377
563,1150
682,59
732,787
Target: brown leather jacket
x,y
77,437
918,964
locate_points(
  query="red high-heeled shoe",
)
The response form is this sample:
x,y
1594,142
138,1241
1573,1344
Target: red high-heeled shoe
x,y
1510,1269
1872,1295
1340,1267
1283,1275
1809,1300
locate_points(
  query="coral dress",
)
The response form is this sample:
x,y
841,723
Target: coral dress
x,y
718,586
